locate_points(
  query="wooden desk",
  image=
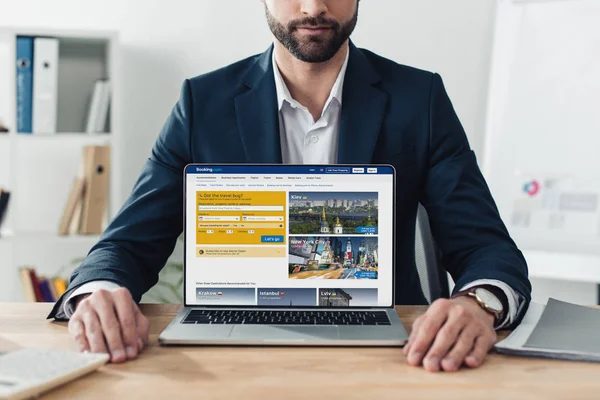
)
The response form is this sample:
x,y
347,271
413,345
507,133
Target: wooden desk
x,y
293,373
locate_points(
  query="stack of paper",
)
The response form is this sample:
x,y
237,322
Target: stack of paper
x,y
558,330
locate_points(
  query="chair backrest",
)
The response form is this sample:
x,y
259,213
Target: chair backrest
x,y
434,279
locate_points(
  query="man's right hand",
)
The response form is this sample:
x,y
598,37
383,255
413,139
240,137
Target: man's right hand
x,y
110,322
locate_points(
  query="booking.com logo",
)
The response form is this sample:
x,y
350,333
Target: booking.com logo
x,y
532,188
208,169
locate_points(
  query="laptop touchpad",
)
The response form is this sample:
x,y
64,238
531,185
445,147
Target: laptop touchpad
x,y
283,333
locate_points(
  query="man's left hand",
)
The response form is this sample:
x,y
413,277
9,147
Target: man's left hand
x,y
451,333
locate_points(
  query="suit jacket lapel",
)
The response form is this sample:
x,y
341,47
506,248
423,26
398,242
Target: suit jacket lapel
x,y
363,111
257,114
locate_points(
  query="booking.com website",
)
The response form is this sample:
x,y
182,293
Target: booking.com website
x,y
281,236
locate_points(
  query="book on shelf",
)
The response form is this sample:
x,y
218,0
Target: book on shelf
x,y
45,85
4,197
3,128
98,108
60,286
87,203
37,65
27,284
52,289
7,57
24,84
35,283
37,84
73,207
39,288
76,218
45,290
96,173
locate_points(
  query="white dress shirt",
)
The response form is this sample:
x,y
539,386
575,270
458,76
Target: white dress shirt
x,y
306,141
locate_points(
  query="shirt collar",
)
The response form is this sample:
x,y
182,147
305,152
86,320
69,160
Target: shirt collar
x,y
284,95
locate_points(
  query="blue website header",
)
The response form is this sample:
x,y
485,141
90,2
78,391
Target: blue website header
x,y
290,169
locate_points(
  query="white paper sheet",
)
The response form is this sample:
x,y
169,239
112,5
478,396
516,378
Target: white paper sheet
x,y
513,344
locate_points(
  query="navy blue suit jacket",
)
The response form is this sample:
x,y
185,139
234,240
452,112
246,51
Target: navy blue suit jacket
x,y
391,114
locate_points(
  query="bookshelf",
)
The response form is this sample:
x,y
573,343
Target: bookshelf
x,y
38,169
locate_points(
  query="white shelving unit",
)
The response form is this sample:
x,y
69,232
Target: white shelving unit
x,y
38,170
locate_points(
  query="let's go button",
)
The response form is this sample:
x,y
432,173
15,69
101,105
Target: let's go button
x,y
271,239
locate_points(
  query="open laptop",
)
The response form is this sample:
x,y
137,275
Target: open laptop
x,y
288,255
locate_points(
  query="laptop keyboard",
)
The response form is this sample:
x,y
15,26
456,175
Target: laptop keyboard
x,y
255,317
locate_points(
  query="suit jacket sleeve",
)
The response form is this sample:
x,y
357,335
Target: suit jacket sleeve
x,y
465,221
137,243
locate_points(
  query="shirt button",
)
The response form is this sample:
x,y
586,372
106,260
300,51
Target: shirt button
x,y
314,139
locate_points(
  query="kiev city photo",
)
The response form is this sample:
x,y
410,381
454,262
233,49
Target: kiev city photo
x,y
333,213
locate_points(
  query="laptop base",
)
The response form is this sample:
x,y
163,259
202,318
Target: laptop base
x,y
176,333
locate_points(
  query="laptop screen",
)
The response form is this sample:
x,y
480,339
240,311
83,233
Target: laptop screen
x,y
289,235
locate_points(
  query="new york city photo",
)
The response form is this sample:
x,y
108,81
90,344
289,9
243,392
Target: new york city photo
x,y
333,257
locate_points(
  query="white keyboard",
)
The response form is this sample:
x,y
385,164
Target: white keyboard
x,y
29,372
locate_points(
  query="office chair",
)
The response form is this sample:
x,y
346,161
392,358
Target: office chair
x,y
434,279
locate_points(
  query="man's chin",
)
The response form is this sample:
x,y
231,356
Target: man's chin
x,y
313,57
314,37
313,49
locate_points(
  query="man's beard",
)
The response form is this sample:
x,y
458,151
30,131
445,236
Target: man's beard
x,y
313,49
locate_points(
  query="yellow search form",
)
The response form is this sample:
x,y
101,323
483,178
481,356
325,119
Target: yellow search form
x,y
241,218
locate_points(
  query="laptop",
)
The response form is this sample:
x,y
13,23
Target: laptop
x,y
288,255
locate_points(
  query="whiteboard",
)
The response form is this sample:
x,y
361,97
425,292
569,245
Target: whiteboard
x,y
542,139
